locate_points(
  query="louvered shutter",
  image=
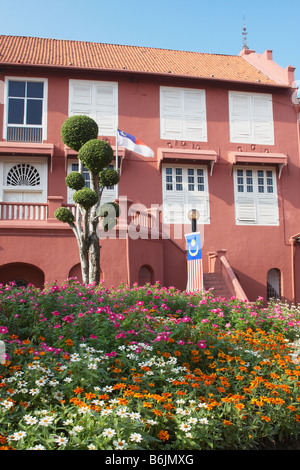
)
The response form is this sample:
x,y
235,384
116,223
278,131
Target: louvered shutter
x,y
263,132
171,111
105,109
183,114
240,125
245,210
98,100
80,98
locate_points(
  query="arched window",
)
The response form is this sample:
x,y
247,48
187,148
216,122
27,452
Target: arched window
x,y
145,275
273,284
23,174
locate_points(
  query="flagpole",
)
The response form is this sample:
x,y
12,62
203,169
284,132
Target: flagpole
x,y
117,163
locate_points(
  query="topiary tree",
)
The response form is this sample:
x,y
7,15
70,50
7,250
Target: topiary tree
x,y
80,134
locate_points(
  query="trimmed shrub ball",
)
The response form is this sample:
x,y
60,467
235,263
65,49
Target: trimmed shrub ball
x,y
77,130
64,215
109,210
85,197
109,177
75,180
96,155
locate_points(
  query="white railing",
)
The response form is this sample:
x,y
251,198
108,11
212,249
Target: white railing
x,y
23,211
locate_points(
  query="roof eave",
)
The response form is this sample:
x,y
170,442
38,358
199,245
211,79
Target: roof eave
x,y
143,72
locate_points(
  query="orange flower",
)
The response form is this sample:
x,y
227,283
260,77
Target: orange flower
x,y
90,395
265,418
227,423
69,342
163,435
78,390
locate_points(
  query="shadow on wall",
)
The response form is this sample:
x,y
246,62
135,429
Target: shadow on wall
x,y
22,274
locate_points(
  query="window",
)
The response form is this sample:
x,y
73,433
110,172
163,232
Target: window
x,y
99,100
255,196
23,174
251,118
184,188
25,110
109,194
273,284
183,114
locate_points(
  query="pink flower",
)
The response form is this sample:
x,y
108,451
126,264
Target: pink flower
x,y
3,330
201,344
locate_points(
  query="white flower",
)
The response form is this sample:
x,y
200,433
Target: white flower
x,y
203,420
92,366
109,432
30,419
120,444
91,447
78,428
17,436
34,391
53,383
192,420
61,441
122,412
107,389
136,437
136,416
185,427
106,412
46,421
67,422
37,447
58,395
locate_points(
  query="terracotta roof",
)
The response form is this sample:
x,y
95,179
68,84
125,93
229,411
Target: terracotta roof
x,y
20,50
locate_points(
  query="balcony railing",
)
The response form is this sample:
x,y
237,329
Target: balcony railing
x,y
23,211
24,134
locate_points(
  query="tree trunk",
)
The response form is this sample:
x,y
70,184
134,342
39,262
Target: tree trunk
x,y
94,248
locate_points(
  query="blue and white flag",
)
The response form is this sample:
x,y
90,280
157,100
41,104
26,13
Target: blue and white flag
x,y
194,262
132,143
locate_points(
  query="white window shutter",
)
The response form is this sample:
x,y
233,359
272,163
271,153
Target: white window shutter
x,y
268,211
80,98
251,118
245,210
173,207
263,132
240,125
183,114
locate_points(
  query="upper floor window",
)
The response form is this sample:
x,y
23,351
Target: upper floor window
x,y
185,188
255,196
183,114
251,118
99,100
25,110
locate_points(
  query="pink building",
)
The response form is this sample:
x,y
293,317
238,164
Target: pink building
x,y
225,135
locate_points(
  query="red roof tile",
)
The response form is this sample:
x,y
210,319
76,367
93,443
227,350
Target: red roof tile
x,y
19,50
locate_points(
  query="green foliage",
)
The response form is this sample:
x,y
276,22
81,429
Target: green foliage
x,y
75,180
109,177
85,197
63,214
146,367
96,155
77,130
109,209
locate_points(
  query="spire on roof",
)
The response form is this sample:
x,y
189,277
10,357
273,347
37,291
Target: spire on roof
x,y
244,34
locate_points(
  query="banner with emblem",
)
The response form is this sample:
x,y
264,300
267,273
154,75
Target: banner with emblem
x,y
194,262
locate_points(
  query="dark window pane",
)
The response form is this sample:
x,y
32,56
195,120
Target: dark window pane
x,y
34,112
35,90
15,111
16,89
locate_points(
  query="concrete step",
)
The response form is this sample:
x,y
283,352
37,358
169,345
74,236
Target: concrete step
x,y
216,282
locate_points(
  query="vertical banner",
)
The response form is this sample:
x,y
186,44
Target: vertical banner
x,y
194,262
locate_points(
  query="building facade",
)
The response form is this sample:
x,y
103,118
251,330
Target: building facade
x,y
225,136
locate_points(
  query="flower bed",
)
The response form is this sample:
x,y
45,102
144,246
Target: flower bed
x,y
145,368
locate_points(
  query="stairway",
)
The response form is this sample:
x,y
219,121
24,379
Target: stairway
x,y
216,281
